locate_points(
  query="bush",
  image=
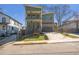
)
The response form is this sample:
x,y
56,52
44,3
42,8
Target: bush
x,y
46,38
33,37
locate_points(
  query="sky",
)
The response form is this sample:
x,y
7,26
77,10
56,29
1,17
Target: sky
x,y
17,11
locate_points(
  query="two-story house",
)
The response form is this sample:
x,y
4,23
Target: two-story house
x,y
71,25
8,25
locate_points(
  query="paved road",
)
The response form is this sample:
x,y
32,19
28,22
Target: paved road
x,y
8,39
57,48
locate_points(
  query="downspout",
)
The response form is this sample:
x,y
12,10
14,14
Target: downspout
x,y
41,20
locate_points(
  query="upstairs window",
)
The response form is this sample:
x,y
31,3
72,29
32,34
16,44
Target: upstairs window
x,y
3,19
28,16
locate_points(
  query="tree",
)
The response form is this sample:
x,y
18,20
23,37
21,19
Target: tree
x,y
62,12
76,17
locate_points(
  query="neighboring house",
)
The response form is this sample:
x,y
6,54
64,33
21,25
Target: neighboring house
x,y
71,25
8,25
36,21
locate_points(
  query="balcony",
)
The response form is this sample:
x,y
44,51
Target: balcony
x,y
33,17
47,21
33,12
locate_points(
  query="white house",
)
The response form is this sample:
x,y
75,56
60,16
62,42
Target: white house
x,y
71,25
8,25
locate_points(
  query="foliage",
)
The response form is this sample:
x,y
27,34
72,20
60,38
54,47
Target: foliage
x,y
33,37
55,28
62,12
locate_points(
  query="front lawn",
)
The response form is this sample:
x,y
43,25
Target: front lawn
x,y
37,37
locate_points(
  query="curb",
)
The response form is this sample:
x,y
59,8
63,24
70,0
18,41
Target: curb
x,y
30,43
43,42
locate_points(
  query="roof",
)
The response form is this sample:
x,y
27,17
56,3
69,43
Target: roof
x,y
69,22
73,21
10,17
32,6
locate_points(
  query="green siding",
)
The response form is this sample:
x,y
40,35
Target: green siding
x,y
33,9
48,17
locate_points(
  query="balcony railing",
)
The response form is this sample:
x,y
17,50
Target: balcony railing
x,y
33,17
33,12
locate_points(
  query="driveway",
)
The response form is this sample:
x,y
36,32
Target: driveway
x,y
8,39
57,37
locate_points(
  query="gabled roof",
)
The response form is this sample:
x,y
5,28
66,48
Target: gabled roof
x,y
10,17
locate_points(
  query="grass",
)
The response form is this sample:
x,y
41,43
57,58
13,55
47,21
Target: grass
x,y
71,36
37,37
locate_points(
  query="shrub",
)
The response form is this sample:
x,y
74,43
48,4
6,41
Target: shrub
x,y
46,38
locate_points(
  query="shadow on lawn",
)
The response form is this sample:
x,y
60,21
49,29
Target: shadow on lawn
x,y
69,35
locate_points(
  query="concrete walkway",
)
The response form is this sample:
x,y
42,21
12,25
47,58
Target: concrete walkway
x,y
57,37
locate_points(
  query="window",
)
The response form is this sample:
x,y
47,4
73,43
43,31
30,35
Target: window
x,y
3,19
12,28
38,16
28,16
33,16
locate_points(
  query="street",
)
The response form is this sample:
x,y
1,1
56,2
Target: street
x,y
55,48
61,45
